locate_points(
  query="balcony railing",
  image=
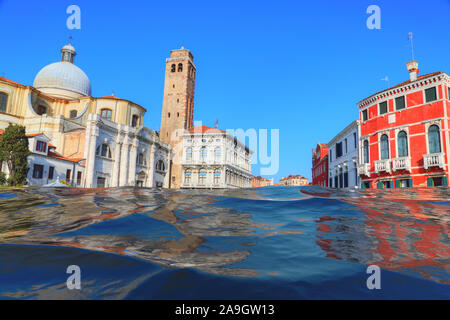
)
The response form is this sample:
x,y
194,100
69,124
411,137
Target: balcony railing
x,y
364,169
433,160
403,163
383,165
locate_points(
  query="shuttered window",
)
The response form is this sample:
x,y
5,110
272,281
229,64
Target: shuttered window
x,y
383,107
364,115
430,94
3,101
400,103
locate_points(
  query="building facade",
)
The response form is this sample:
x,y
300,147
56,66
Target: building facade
x,y
404,137
106,133
294,181
343,154
212,158
259,181
320,165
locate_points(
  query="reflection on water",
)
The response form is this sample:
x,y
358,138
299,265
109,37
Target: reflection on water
x,y
279,235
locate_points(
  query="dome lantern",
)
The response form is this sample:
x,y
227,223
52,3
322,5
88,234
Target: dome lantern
x,y
68,53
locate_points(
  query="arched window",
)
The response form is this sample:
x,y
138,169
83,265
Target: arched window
x,y
187,176
434,139
366,151
217,176
384,147
3,101
134,120
168,115
203,154
106,114
103,150
41,110
189,154
173,67
180,67
160,166
202,176
217,154
73,114
402,141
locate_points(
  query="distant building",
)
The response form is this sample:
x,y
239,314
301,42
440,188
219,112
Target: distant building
x,y
343,152
261,182
320,165
405,139
212,158
294,180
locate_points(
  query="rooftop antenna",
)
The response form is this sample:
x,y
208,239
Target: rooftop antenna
x,y
70,39
410,37
216,125
387,80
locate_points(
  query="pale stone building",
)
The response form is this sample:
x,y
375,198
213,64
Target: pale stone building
x,y
106,133
343,158
294,181
212,158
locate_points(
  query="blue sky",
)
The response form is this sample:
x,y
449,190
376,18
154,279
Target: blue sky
x,y
296,66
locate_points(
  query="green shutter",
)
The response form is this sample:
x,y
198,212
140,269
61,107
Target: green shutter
x,y
429,182
410,184
445,181
363,185
380,185
397,183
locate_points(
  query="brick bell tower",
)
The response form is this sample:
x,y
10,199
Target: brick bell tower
x,y
178,106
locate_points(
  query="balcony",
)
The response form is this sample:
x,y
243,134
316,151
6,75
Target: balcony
x,y
433,160
403,163
364,169
383,166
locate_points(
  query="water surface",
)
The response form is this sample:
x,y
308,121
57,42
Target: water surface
x,y
265,243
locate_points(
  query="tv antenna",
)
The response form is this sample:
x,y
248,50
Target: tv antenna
x,y
410,37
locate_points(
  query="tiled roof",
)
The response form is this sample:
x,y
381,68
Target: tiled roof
x,y
109,97
403,83
205,129
58,156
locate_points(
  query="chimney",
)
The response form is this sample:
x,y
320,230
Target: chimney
x,y
413,69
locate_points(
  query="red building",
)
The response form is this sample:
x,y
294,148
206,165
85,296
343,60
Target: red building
x,y
404,137
320,165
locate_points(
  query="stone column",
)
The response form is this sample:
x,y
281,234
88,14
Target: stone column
x,y
151,167
167,175
116,166
125,153
90,159
132,162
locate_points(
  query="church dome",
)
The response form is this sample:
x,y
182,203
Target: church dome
x,y
63,79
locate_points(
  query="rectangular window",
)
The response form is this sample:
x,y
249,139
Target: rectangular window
x,y
383,107
78,177
3,101
354,139
430,94
400,103
331,157
364,115
338,150
68,172
51,172
345,179
38,171
41,146
331,182
345,142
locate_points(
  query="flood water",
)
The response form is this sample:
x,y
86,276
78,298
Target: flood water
x,y
265,243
